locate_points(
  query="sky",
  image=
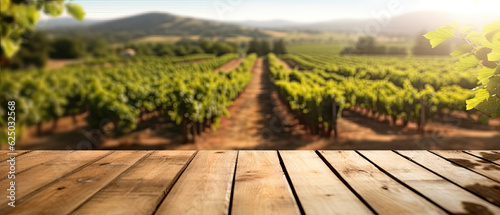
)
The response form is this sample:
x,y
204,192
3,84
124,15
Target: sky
x,y
291,10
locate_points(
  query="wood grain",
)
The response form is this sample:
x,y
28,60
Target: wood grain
x,y
39,176
142,187
5,156
475,164
204,187
69,192
261,186
383,194
318,188
449,196
29,160
492,156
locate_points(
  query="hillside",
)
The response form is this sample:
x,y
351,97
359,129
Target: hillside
x,y
160,24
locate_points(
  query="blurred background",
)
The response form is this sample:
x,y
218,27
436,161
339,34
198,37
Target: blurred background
x,y
206,75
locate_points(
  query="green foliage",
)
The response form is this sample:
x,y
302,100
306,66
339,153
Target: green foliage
x,y
120,94
480,53
67,48
368,46
309,92
20,17
33,53
263,47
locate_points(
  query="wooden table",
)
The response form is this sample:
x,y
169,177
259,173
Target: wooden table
x,y
253,182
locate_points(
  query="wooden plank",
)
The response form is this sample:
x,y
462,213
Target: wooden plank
x,y
68,193
29,160
492,156
381,192
39,176
449,196
204,187
467,179
317,187
260,185
142,187
475,164
5,156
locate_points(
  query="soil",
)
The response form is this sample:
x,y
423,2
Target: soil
x,y
229,66
260,121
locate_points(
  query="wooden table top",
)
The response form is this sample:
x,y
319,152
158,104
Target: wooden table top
x,y
253,182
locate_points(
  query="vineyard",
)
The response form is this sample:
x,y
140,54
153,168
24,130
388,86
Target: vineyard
x,y
384,86
115,97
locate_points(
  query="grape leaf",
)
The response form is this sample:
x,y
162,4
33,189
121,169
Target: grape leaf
x,y
4,5
54,8
461,50
494,55
481,95
476,37
491,106
492,27
9,46
76,11
466,63
485,74
465,29
441,34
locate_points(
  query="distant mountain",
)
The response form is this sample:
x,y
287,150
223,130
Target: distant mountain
x,y
273,24
405,24
161,24
59,22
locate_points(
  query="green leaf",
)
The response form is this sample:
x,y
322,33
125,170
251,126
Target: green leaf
x,y
480,96
76,11
461,50
476,37
54,8
4,5
492,27
466,63
485,74
482,53
494,55
465,29
491,106
9,46
441,34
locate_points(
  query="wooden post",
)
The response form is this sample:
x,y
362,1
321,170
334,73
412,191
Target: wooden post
x,y
334,117
421,125
185,131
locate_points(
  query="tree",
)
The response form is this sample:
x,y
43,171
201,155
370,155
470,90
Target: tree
x,y
34,52
253,46
365,45
279,47
221,48
480,52
67,48
265,48
20,17
98,47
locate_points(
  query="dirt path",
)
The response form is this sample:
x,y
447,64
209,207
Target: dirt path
x,y
256,120
229,66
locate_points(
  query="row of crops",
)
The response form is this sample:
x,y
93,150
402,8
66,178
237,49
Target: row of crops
x,y
117,61
437,72
311,94
191,94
